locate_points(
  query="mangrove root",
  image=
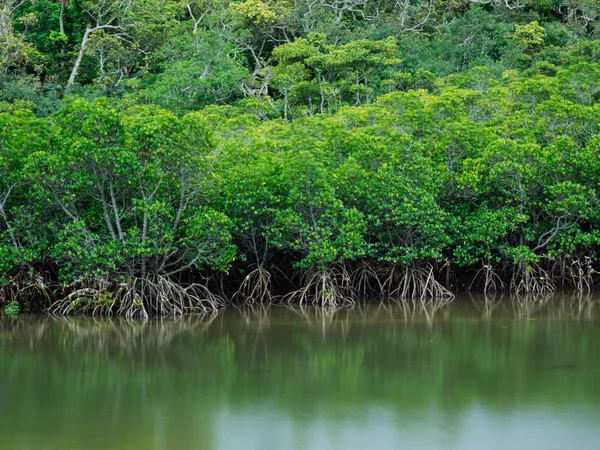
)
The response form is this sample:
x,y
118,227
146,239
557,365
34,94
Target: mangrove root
x,y
414,283
256,288
488,278
366,281
138,297
531,279
574,274
24,287
327,287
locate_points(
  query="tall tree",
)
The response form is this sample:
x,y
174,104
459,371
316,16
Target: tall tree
x,y
107,15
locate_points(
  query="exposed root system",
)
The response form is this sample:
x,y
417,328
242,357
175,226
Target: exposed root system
x,y
25,287
138,297
487,279
531,279
414,283
366,281
575,274
255,288
329,287
414,287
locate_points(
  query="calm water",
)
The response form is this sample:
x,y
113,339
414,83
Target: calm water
x,y
521,374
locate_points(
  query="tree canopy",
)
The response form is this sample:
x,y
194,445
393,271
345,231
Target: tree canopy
x,y
173,156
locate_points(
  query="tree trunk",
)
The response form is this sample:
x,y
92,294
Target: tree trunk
x,y
116,212
8,226
5,25
61,17
84,42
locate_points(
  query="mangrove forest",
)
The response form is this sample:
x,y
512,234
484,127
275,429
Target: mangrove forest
x,y
163,157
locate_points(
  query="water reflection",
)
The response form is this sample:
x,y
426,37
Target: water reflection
x,y
554,306
477,373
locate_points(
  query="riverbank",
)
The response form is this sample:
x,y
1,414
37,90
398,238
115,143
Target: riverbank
x,y
342,286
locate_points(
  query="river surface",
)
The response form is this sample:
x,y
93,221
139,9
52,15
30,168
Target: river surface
x,y
511,374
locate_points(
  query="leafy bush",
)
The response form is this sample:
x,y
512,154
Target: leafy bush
x,y
11,309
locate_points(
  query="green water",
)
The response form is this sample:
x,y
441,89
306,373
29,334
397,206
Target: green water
x,y
521,374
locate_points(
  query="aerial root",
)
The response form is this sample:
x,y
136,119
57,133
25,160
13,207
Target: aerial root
x,y
489,278
531,279
415,283
255,288
574,273
324,287
138,297
24,286
366,281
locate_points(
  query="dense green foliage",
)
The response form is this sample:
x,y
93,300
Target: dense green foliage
x,y
11,309
292,57
401,148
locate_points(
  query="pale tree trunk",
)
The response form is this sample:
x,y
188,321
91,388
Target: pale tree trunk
x,y
84,42
7,8
82,48
105,14
61,17
197,20
5,26
4,216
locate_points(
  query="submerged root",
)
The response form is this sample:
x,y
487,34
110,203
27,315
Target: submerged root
x,y
138,297
415,283
531,279
328,287
256,288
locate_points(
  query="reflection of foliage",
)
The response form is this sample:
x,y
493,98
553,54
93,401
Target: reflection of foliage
x,y
309,360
